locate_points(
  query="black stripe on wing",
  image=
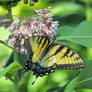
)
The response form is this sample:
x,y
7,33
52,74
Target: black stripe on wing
x,y
73,53
71,66
59,49
67,52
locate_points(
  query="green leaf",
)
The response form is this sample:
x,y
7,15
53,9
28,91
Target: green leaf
x,y
23,83
10,69
64,31
64,9
82,34
87,1
6,0
22,57
84,90
69,87
4,34
85,77
54,89
10,59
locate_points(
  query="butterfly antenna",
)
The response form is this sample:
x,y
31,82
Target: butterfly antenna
x,y
34,80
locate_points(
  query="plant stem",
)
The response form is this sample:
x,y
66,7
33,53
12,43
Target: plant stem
x,y
16,74
15,87
16,55
10,10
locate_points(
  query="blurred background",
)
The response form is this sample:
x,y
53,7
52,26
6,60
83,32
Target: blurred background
x,y
67,12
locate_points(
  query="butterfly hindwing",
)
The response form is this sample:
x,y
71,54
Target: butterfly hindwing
x,y
62,56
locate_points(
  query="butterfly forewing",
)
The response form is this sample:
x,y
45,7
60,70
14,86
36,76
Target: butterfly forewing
x,y
38,45
62,56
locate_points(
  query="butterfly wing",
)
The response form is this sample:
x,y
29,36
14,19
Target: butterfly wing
x,y
36,46
47,54
61,56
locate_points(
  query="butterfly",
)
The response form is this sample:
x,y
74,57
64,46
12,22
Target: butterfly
x,y
45,56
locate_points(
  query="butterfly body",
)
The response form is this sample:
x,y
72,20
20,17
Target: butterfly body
x,y
37,69
45,56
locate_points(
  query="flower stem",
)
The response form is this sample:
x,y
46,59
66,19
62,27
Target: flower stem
x,y
10,10
15,87
16,80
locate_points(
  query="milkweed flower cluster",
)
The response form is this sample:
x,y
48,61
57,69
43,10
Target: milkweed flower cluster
x,y
40,25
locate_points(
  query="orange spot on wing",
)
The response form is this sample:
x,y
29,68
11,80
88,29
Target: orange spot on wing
x,y
34,65
54,66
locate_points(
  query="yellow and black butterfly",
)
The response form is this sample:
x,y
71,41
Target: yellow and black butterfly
x,y
45,56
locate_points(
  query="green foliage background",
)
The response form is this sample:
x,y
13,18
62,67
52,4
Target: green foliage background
x,y
75,20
